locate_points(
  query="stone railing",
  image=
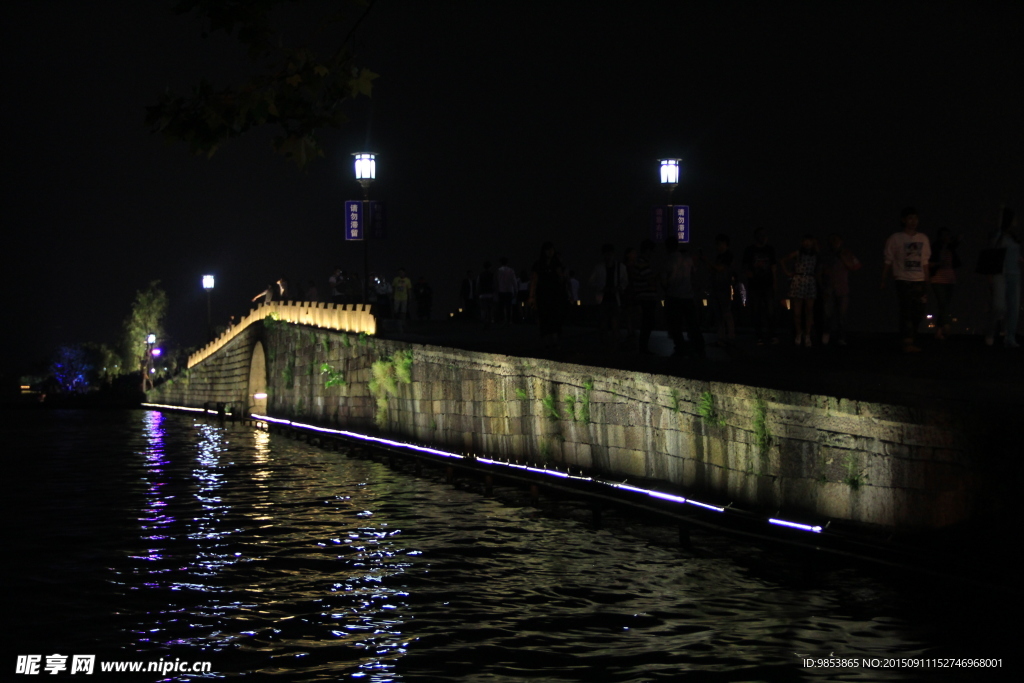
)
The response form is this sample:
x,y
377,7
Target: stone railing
x,y
346,318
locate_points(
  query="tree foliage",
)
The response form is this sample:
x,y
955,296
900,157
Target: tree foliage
x,y
299,89
145,318
71,369
106,362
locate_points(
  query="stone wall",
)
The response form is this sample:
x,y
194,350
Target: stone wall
x,y
773,450
220,378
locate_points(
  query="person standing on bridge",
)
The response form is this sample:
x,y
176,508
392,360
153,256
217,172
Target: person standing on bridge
x,y
267,294
803,289
907,254
488,294
424,298
508,287
680,303
401,290
548,293
839,262
337,284
761,270
1006,283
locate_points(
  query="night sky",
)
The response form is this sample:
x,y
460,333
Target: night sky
x,y
498,125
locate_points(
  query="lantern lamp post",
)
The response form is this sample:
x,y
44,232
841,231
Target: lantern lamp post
x,y
670,175
208,286
366,173
147,370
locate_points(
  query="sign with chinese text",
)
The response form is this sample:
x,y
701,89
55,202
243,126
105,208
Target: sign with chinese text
x,y
377,226
658,225
354,226
674,218
681,218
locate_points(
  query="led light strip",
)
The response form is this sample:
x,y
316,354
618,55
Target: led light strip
x,y
488,461
191,410
795,525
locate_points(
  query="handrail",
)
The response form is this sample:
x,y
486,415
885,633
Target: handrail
x,y
345,317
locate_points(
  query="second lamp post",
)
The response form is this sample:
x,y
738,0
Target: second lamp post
x,y
366,172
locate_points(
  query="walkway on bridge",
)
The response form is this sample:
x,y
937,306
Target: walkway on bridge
x,y
961,370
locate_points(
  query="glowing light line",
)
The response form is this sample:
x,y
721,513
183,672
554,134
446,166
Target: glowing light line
x,y
794,525
671,498
192,410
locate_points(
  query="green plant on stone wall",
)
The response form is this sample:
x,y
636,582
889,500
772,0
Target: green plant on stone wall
x,y
521,394
289,372
855,478
588,387
570,407
325,344
386,373
550,404
708,411
346,341
676,402
331,377
762,435
545,449
403,365
273,322
823,476
362,338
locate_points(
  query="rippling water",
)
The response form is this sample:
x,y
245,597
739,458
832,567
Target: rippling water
x,y
153,536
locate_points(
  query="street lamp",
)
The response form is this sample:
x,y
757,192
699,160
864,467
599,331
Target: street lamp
x,y
366,173
148,369
208,286
670,175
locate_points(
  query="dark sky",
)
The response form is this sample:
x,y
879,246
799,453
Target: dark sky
x,y
498,125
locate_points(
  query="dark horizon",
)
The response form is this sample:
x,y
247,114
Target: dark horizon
x,y
499,126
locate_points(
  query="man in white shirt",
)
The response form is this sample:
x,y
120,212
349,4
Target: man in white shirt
x,y
906,254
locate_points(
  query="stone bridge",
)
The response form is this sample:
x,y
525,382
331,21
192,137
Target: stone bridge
x,y
828,458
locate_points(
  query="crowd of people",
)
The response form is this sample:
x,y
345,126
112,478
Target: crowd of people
x,y
684,291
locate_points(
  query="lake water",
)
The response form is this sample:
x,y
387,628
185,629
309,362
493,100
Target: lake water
x,y
150,537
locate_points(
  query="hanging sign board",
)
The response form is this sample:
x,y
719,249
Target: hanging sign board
x,y
681,218
658,221
670,220
377,226
354,227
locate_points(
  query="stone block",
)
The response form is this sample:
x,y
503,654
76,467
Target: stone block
x,y
626,462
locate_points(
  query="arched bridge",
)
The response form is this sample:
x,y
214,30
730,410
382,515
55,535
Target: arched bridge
x,y
830,457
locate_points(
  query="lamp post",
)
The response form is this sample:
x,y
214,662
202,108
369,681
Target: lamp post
x,y
670,175
208,286
366,172
147,371
678,216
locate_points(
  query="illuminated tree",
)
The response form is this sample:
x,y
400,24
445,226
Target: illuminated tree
x,y
298,89
106,362
145,319
70,369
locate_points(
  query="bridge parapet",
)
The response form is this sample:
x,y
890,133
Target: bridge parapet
x,y
345,318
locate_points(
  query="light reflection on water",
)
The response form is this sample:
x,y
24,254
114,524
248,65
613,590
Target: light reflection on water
x,y
269,557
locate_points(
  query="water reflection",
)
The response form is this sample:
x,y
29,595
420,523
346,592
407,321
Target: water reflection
x,y
155,520
278,561
269,554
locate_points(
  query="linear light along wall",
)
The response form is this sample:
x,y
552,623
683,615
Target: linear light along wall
x,y
661,495
346,318
445,454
